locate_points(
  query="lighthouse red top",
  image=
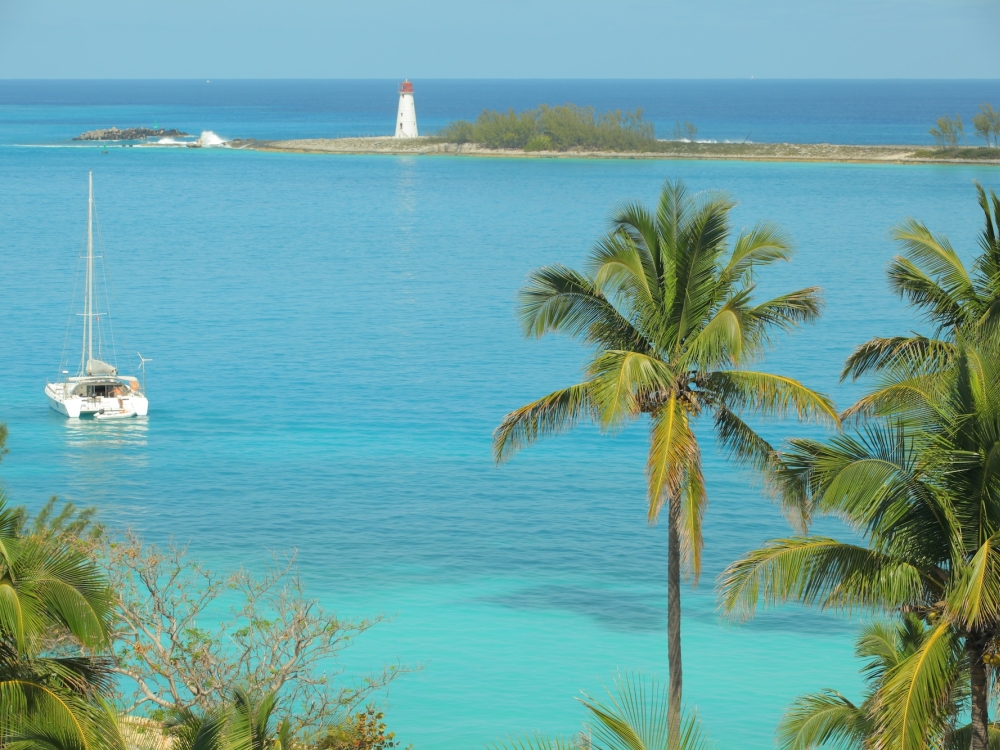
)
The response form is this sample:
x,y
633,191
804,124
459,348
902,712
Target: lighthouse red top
x,y
406,87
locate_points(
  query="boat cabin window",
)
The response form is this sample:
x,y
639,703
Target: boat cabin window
x,y
105,391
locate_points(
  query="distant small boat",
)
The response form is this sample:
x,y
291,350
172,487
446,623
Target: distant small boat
x,y
97,388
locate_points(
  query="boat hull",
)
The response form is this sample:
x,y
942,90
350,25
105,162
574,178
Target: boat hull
x,y
75,407
70,407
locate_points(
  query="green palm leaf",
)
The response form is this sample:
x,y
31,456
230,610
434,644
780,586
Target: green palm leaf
x,y
823,719
818,571
914,697
550,415
634,717
770,395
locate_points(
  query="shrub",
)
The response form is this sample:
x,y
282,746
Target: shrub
x,y
987,124
558,128
948,131
364,731
538,143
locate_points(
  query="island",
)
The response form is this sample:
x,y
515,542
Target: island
x,y
808,152
128,134
569,131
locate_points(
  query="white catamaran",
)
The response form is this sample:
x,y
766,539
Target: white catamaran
x,y
97,388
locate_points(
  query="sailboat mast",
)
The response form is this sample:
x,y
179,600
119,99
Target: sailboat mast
x,y
88,295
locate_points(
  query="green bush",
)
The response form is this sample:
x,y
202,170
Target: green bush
x,y
538,143
363,731
556,128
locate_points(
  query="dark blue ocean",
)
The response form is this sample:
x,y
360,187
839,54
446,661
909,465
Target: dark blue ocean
x,y
334,339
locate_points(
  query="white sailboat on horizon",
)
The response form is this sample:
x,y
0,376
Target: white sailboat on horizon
x,y
97,389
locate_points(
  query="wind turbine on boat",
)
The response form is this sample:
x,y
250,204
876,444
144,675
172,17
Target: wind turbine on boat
x,y
142,366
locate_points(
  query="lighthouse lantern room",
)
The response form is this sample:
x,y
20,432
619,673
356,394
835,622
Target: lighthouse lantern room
x,y
406,119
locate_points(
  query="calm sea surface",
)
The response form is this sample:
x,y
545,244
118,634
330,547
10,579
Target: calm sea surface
x,y
334,340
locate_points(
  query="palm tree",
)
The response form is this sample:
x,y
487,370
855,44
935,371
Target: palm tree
x,y
952,298
669,310
829,719
635,717
247,723
47,589
922,486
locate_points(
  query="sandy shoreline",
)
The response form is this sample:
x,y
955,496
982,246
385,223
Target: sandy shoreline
x,y
819,152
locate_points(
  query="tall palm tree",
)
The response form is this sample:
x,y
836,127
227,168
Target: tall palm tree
x,y
922,487
951,297
46,588
668,308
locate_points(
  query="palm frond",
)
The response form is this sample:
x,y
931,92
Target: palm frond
x,y
818,571
939,305
695,269
694,503
916,397
770,395
760,246
619,266
634,717
672,450
904,354
559,299
788,311
912,704
823,719
34,714
961,738
673,211
720,341
620,383
974,597
634,224
549,415
936,259
535,742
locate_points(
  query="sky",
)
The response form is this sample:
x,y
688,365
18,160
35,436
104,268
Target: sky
x,y
508,39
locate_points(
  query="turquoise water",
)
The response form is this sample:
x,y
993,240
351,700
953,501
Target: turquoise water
x,y
334,340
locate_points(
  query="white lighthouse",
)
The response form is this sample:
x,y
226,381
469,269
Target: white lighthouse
x,y
406,119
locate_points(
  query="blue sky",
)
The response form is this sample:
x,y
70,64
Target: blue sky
x,y
509,39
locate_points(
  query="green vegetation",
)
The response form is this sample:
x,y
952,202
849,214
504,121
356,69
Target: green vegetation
x,y
828,718
56,612
960,152
667,305
919,482
102,637
948,131
987,124
685,131
633,718
557,129
96,629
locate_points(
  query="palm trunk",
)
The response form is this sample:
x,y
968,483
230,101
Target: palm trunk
x,y
976,646
674,623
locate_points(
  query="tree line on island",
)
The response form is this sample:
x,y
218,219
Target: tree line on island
x,y
102,641
949,132
569,127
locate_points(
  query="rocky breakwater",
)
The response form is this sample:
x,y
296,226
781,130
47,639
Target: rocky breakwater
x,y
128,134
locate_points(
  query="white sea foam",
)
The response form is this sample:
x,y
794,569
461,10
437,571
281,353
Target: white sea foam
x,y
208,139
